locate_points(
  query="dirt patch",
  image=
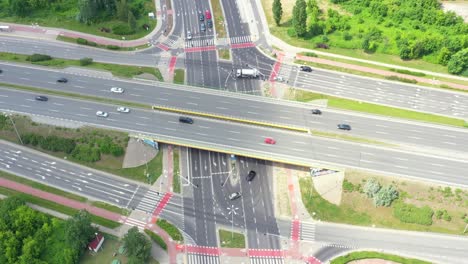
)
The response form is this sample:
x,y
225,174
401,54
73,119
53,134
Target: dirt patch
x,y
280,186
459,7
330,186
138,153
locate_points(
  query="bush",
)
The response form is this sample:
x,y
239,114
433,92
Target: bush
x,y
396,78
408,72
82,41
170,229
112,47
157,239
86,61
385,196
122,29
86,153
348,186
310,54
322,46
3,121
91,43
347,36
443,214
38,57
372,187
409,213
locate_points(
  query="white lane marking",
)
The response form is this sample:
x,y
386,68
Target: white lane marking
x,y
437,172
400,158
300,142
416,131
315,122
58,104
366,161
190,103
201,134
221,108
51,83
86,108
235,132
143,117
414,137
332,148
381,132
450,136
437,164
300,150
140,124
253,113
450,143
194,97
233,139
225,102
205,127
171,129
25,106
2,95
78,86
331,155
285,117
381,126
163,99
135,95
401,167
172,122
53,110
81,115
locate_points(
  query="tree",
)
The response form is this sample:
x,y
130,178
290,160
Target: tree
x,y
444,56
122,10
458,63
79,231
372,187
385,196
137,245
19,7
300,17
88,11
132,23
277,11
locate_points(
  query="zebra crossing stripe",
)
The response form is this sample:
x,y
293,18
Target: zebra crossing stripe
x,y
133,222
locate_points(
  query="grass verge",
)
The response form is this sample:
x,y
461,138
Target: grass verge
x,y
218,19
57,207
230,239
171,230
375,255
74,41
349,138
179,76
347,104
157,239
175,166
110,207
115,69
224,54
139,173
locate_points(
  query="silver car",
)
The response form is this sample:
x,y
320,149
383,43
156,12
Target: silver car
x,y
102,114
122,109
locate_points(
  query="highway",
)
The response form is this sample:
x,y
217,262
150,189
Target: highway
x,y
242,139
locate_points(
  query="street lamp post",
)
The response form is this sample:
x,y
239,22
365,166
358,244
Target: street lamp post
x,y
16,130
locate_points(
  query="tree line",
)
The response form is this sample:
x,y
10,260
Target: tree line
x,y
411,29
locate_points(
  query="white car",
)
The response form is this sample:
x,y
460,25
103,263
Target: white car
x,y
122,109
189,35
117,90
102,114
234,196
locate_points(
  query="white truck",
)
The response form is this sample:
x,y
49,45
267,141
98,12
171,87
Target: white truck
x,y
247,73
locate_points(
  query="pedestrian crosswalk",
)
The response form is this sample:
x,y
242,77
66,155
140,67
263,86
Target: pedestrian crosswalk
x,y
240,39
149,201
266,261
133,222
308,231
170,42
199,43
202,259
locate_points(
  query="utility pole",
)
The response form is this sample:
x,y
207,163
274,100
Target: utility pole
x,y
16,130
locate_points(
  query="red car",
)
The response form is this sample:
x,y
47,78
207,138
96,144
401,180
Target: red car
x,y
207,14
270,141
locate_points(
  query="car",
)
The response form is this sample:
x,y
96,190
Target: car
x,y
186,120
306,68
102,114
1,71
209,24
122,109
270,141
189,35
201,17
41,98
344,127
316,112
62,80
234,196
251,175
202,26
207,14
117,90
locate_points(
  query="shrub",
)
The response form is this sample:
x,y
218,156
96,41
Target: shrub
x,y
396,78
409,213
443,214
348,186
122,29
291,32
372,187
421,74
38,57
91,43
82,41
3,121
157,239
347,36
322,46
116,150
86,61
310,54
112,47
86,153
385,196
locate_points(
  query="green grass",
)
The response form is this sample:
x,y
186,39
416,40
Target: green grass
x,y
110,207
73,40
57,207
41,186
224,54
347,104
230,239
348,138
116,69
171,230
138,173
375,255
327,211
218,19
157,239
179,76
176,178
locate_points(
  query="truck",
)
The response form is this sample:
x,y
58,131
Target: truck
x,y
247,73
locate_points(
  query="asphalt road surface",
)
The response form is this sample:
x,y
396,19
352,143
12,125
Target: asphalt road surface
x,y
246,107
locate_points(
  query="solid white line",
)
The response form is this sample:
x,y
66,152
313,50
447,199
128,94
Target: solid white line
x,y
233,139
235,132
332,148
450,143
366,161
140,124
400,158
380,132
401,167
221,108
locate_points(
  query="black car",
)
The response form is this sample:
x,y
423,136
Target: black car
x,y
187,120
62,80
201,17
306,68
209,23
316,111
344,127
1,71
42,98
251,176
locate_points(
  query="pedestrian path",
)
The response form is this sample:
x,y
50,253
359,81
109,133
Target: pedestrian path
x,y
134,222
266,261
240,39
149,201
308,231
202,259
199,43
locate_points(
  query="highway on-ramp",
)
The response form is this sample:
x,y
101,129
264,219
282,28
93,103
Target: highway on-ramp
x,y
241,139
